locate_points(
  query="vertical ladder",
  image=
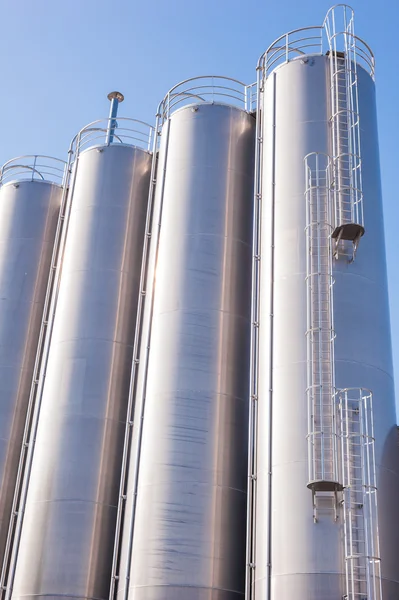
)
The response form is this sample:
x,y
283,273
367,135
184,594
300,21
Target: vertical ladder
x,y
137,394
138,335
254,356
345,128
322,436
357,472
362,558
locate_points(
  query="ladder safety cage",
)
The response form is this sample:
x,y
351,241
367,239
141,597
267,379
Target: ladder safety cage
x,y
323,463
361,536
340,421
318,40
345,129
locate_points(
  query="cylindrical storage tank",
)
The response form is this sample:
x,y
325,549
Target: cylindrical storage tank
x,y
69,525
30,199
184,538
297,557
363,353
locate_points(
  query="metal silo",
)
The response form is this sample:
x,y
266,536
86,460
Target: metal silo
x,y
31,191
70,514
185,519
323,411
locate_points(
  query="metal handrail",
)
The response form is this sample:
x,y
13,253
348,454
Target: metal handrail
x,y
282,49
33,167
131,132
208,88
316,40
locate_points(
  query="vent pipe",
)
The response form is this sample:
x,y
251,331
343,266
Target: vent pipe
x,y
115,98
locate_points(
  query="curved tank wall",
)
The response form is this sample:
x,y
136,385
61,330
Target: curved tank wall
x,y
363,355
69,526
189,526
307,559
29,213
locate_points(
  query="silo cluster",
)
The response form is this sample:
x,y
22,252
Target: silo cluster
x,y
197,398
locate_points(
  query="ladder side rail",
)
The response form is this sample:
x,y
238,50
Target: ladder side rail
x,y
254,356
335,144
317,273
326,322
371,514
347,499
358,524
370,493
340,158
312,334
349,119
343,157
331,332
356,142
352,117
320,332
269,556
330,210
40,368
349,513
367,513
340,138
134,369
376,537
312,325
309,328
342,404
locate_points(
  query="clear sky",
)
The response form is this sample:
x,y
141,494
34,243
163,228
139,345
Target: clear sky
x,y
60,58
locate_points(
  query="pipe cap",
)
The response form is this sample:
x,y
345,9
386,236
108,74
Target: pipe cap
x,y
120,97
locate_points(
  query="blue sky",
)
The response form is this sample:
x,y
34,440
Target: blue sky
x,y
60,59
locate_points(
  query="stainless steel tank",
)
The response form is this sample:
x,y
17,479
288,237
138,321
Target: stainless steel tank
x,y
185,536
363,354
296,557
30,199
70,515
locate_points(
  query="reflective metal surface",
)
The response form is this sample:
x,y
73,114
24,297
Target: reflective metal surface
x,y
306,557
363,343
28,220
69,525
189,521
